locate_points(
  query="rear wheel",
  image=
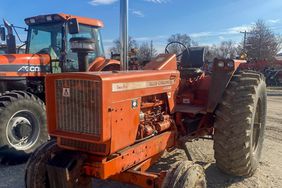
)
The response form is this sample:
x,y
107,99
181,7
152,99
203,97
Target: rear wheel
x,y
240,124
22,121
185,174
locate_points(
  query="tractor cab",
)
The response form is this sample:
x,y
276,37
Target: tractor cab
x,y
55,34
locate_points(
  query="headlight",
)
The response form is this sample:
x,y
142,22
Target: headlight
x,y
220,64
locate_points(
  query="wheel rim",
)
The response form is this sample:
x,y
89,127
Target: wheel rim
x,y
256,127
22,130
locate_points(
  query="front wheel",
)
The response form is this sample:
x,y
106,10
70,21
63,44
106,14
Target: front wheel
x,y
36,170
240,123
22,121
36,173
185,174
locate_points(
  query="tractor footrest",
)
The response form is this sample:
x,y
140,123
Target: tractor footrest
x,y
192,109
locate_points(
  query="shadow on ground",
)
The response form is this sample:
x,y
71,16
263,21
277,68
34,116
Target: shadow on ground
x,y
218,179
12,157
274,91
166,161
215,178
274,94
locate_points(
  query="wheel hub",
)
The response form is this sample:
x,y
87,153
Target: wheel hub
x,y
21,127
22,130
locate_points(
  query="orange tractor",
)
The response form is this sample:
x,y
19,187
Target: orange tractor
x,y
52,46
115,125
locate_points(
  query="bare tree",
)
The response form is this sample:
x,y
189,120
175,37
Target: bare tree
x,y
226,49
146,52
183,38
116,48
262,43
211,52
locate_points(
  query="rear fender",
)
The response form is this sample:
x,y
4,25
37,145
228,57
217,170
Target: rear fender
x,y
220,79
102,64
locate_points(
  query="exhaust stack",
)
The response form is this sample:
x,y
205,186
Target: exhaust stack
x,y
11,39
124,34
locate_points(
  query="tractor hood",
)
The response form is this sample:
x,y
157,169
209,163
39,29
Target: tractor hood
x,y
22,65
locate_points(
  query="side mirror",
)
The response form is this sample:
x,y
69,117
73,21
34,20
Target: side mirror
x,y
73,26
2,33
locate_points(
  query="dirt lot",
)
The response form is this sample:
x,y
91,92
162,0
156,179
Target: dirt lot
x,y
269,173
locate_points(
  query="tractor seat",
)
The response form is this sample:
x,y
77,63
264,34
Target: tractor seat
x,y
191,62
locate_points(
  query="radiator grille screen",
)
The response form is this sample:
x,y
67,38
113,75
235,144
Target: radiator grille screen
x,y
78,106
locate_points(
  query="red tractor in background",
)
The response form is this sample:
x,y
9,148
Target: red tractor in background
x,y
52,46
115,125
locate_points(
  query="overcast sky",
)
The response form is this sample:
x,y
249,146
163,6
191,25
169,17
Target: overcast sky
x,y
206,21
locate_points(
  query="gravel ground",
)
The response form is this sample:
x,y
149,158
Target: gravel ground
x,y
269,173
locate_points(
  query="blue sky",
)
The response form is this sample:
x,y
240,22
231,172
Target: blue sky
x,y
206,21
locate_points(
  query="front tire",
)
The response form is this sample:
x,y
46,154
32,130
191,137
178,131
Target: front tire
x,y
22,121
240,123
36,173
36,170
185,174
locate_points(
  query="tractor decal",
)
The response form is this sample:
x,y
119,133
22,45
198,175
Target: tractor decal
x,y
116,87
24,68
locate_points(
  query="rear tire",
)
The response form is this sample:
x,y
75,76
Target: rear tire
x,y
22,121
185,174
240,123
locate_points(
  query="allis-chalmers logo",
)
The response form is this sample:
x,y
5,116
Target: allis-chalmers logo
x,y
66,92
29,69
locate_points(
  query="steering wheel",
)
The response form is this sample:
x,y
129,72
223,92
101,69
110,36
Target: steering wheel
x,y
179,44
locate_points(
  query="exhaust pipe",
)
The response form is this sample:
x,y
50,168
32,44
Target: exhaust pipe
x,y
124,35
11,39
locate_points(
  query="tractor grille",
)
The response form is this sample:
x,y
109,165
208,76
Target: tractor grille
x,y
78,105
83,146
